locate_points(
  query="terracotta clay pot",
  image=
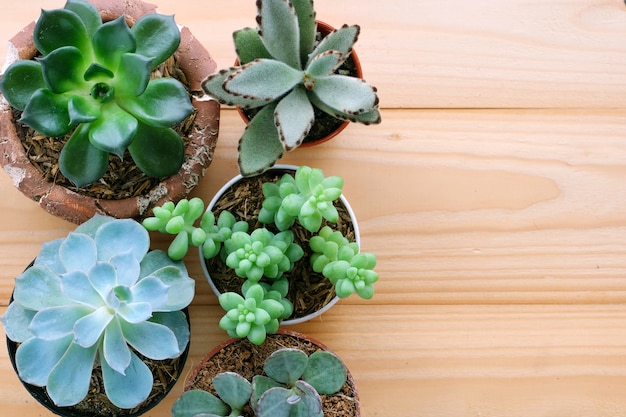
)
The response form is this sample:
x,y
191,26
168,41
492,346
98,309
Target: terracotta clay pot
x,y
324,29
332,298
240,353
194,61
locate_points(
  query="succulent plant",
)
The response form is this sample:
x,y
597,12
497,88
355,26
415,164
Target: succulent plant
x,y
291,387
286,73
307,197
93,81
98,296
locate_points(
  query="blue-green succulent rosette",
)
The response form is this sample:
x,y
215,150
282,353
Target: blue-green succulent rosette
x,y
98,296
93,81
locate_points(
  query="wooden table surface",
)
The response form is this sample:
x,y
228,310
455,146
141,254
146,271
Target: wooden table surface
x,y
493,193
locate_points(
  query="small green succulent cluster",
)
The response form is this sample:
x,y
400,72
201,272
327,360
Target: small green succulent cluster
x,y
98,296
94,80
290,387
263,257
290,76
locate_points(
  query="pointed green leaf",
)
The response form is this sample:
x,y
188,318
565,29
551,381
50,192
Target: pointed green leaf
x,y
294,117
97,72
279,31
112,40
249,46
114,130
157,37
214,86
83,109
48,113
368,118
341,40
164,103
87,13
57,28
80,161
68,382
260,146
130,389
158,152
63,69
20,80
263,79
133,74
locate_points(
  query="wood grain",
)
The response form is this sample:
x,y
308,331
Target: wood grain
x,y
493,194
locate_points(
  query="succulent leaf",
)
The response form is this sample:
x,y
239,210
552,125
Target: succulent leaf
x,y
286,365
114,130
274,403
280,32
213,85
159,152
76,366
346,94
325,372
199,403
63,69
112,40
35,368
48,113
87,13
368,118
20,81
157,37
83,110
133,74
58,28
263,79
233,389
294,117
324,63
129,389
260,146
341,40
308,26
249,46
80,161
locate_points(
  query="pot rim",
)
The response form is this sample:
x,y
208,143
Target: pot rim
x,y
235,179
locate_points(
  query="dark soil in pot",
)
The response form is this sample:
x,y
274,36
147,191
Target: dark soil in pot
x,y
246,359
308,291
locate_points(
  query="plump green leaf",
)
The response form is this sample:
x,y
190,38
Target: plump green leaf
x,y
233,389
130,389
310,404
33,367
133,74
112,40
59,27
367,118
196,402
157,37
346,94
325,372
87,13
158,152
214,86
294,117
114,131
20,80
249,46
80,161
279,31
308,27
63,69
48,113
274,403
341,40
260,384
164,103
286,365
68,382
83,109
263,79
260,146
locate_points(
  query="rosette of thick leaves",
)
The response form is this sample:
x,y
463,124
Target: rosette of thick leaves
x,y
98,295
94,79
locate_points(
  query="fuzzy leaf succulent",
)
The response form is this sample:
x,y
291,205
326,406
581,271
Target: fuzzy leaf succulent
x,y
286,73
290,387
98,296
93,81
